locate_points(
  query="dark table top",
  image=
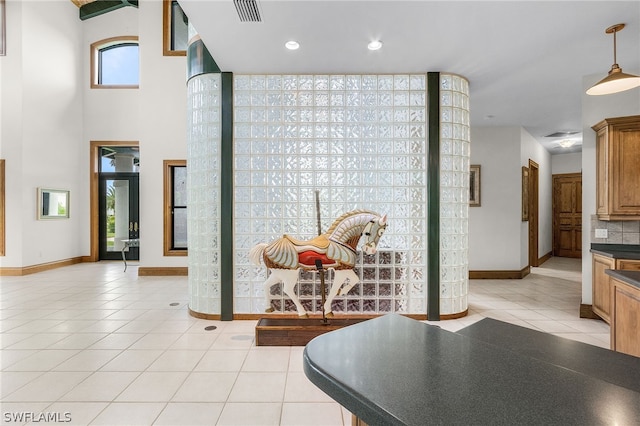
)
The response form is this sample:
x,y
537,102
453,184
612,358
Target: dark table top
x,y
629,277
395,370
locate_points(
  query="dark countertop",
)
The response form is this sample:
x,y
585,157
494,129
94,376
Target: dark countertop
x,y
617,251
394,370
629,277
613,367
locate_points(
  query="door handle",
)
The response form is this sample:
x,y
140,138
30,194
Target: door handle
x,y
135,226
130,226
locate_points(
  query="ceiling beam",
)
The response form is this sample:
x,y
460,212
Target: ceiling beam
x,y
91,9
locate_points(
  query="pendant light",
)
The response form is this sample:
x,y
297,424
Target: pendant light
x,y
616,81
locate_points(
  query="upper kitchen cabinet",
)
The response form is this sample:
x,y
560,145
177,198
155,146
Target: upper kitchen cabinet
x,y
618,168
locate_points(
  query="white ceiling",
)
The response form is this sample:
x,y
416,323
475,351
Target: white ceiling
x,y
525,61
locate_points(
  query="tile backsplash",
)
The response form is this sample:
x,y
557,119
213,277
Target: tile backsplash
x,y
618,231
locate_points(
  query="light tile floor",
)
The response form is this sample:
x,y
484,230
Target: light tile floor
x,y
105,348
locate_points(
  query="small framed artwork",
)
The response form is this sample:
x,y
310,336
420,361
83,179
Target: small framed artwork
x,y
474,185
53,204
525,193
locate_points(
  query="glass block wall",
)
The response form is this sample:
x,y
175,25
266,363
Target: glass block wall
x,y
358,139
454,193
203,195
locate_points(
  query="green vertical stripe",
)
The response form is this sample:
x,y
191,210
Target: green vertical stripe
x,y
433,196
226,199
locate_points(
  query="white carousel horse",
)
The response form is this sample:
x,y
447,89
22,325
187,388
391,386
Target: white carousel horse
x,y
336,249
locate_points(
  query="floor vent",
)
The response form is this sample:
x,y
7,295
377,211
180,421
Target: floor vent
x,y
248,10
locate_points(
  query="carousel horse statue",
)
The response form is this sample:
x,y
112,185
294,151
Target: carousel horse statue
x,y
336,249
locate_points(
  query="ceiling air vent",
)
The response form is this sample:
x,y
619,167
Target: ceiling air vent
x,y
248,10
560,134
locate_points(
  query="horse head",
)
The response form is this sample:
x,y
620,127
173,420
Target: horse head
x,y
372,233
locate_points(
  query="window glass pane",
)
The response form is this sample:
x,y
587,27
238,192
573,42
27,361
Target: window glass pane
x,y
179,27
119,65
117,217
179,186
119,159
180,228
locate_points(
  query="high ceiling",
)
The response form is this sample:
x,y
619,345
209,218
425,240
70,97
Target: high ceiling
x,y
525,61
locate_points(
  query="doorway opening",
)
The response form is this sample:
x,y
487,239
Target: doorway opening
x,y
114,200
533,213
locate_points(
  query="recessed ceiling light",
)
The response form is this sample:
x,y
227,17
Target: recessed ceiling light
x,y
567,143
375,45
292,45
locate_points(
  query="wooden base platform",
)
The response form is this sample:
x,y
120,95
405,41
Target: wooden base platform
x,y
296,331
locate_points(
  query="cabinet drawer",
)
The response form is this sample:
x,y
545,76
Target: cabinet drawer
x,y
628,264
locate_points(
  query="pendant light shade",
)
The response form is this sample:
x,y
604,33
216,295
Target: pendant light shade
x,y
616,81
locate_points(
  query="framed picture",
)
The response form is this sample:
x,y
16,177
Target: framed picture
x,y
474,185
525,193
53,204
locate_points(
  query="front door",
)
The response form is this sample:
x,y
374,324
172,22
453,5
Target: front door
x,y
118,215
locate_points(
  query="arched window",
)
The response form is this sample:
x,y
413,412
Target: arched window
x,y
115,63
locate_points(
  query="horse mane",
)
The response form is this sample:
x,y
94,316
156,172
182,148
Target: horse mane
x,y
347,215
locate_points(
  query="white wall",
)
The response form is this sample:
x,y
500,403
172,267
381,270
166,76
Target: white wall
x,y
45,136
594,110
154,115
10,132
531,149
498,238
162,126
566,163
42,131
495,226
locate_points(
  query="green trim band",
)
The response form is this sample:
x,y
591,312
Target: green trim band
x,y
199,60
97,8
226,199
433,196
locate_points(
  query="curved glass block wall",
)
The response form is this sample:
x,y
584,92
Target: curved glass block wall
x,y
454,193
203,192
358,139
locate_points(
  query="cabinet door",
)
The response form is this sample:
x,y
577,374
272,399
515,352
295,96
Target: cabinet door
x,y
602,286
625,185
602,180
625,328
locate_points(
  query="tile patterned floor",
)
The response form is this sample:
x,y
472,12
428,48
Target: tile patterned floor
x,y
105,347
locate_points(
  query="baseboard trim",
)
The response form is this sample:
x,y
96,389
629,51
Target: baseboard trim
x,y
33,269
147,271
200,315
454,316
586,311
545,258
499,275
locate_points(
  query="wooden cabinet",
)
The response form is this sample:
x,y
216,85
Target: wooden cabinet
x,y
617,171
601,282
625,327
601,285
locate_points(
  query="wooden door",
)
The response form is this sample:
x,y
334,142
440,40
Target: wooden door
x,y
567,215
533,213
